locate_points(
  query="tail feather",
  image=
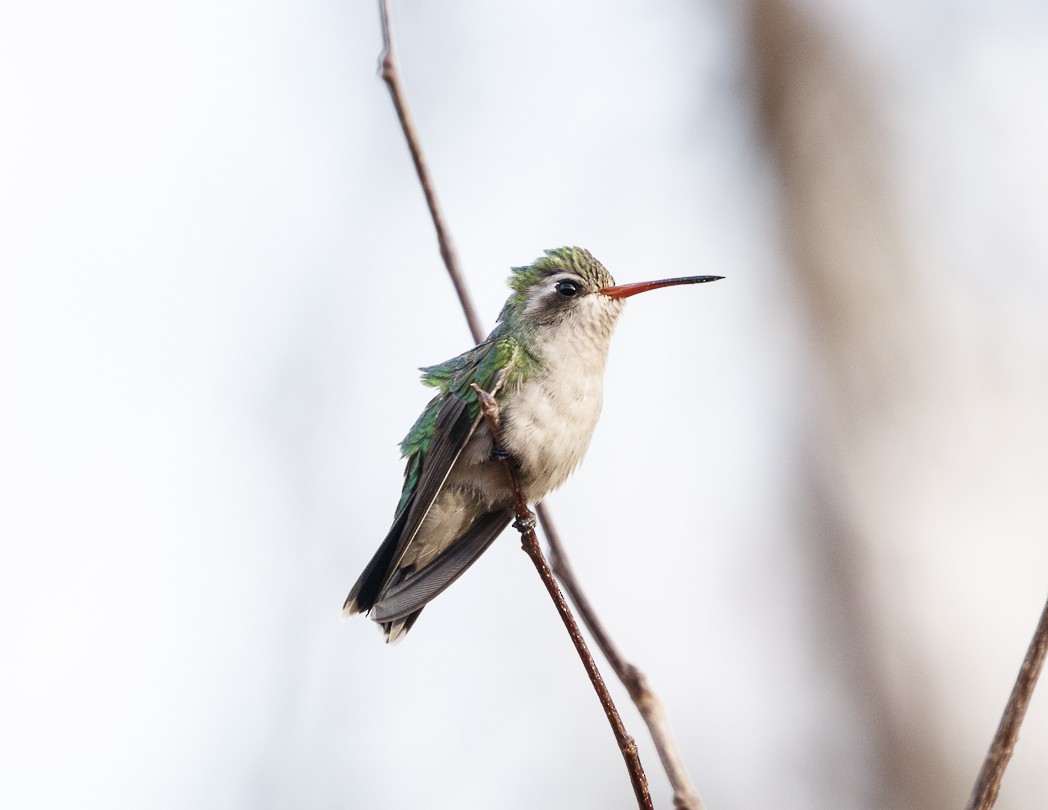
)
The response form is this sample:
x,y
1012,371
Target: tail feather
x,y
395,598
416,588
365,591
396,630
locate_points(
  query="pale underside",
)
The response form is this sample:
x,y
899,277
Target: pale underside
x,y
547,424
548,411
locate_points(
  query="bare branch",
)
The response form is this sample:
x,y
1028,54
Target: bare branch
x,y
525,524
988,784
390,75
685,796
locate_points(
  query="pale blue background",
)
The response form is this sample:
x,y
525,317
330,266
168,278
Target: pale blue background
x,y
217,277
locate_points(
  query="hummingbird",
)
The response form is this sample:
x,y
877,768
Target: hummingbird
x,y
544,365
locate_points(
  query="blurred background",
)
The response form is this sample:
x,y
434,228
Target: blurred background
x,y
815,511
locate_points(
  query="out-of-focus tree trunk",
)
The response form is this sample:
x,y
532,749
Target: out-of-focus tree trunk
x,y
874,329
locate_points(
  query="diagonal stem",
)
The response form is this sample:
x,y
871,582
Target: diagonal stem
x,y
391,76
988,783
685,796
525,524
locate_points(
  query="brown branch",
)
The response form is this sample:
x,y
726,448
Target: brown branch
x,y
685,796
988,784
525,524
390,75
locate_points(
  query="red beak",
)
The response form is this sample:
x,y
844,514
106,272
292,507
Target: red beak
x,y
626,290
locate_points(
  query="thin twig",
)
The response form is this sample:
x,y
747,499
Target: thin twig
x,y
525,524
988,784
390,75
685,796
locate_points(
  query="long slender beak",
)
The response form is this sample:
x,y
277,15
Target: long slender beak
x,y
626,290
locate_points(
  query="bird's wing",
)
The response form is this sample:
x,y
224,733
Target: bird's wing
x,y
456,419
432,447
419,587
437,441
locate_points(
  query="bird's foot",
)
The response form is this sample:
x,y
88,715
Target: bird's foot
x,y
525,523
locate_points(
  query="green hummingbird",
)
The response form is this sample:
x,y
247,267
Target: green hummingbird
x,y
544,364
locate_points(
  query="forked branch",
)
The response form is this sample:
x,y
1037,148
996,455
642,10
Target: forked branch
x,y
685,797
525,524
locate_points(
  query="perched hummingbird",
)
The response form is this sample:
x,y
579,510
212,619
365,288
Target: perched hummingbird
x,y
544,364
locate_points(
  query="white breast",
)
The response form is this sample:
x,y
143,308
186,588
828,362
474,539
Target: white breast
x,y
549,422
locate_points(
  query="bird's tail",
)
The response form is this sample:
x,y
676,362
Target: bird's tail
x,y
394,597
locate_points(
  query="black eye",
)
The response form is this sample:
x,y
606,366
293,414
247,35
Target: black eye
x,y
568,289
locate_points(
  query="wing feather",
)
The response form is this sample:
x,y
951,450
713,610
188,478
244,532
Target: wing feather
x,y
432,448
416,589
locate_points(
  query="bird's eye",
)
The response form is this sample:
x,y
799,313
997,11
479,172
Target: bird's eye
x,y
567,289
